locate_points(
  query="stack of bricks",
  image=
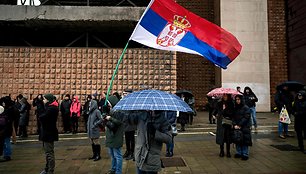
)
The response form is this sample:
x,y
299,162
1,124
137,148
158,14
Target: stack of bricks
x,y
196,73
82,71
277,45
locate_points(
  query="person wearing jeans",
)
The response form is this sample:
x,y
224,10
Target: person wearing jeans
x,y
114,141
250,100
241,123
282,98
116,156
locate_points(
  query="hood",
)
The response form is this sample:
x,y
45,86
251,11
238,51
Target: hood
x,y
76,99
247,88
93,105
54,103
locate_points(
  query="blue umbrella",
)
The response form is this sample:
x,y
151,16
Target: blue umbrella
x,y
152,100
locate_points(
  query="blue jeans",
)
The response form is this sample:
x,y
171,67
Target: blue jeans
x,y
242,150
116,156
169,147
282,127
253,116
7,149
144,172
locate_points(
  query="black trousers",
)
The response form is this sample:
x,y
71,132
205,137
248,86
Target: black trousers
x,y
75,124
300,128
130,141
66,122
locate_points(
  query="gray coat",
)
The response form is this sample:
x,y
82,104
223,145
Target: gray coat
x,y
94,119
126,121
148,150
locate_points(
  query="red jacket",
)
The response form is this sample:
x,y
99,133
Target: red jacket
x,y
75,107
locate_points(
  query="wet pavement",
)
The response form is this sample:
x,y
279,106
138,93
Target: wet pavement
x,y
195,152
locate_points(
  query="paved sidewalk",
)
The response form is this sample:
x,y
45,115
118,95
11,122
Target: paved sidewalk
x,y
196,147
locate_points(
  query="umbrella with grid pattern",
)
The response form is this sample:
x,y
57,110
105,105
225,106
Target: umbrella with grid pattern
x,y
152,100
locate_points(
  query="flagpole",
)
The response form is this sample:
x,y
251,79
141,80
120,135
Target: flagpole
x,y
115,72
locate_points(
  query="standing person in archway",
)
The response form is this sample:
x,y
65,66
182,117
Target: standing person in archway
x,y
75,113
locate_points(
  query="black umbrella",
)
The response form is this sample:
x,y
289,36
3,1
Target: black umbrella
x,y
292,86
185,92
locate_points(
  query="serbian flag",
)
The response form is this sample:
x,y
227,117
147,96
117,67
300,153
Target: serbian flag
x,y
166,25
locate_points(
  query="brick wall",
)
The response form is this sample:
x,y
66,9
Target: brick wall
x,y
296,28
277,45
195,73
81,71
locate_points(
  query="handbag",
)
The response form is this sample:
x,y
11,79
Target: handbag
x,y
237,136
284,116
174,130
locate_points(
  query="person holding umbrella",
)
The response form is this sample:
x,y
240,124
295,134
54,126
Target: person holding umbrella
x,y
224,114
153,128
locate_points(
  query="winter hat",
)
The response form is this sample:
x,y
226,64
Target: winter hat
x,y
49,97
1,109
67,95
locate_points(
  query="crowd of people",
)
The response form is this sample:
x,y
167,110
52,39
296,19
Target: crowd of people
x,y
235,116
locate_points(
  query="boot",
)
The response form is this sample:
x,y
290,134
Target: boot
x,y
126,154
221,154
93,147
98,151
228,150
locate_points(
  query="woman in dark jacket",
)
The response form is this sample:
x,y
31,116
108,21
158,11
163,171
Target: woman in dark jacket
x,y
49,132
299,112
241,121
223,113
40,108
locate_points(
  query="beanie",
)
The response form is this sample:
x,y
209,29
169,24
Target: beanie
x,y
49,97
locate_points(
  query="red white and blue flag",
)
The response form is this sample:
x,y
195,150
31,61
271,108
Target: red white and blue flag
x,y
166,25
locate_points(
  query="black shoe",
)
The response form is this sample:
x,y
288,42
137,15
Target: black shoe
x,y
126,154
167,154
228,155
111,172
171,154
7,158
221,154
237,156
244,158
131,156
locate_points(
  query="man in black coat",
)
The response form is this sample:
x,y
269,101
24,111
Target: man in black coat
x,y
49,132
65,110
299,112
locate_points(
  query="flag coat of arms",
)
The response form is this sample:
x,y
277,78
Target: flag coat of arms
x,y
166,25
